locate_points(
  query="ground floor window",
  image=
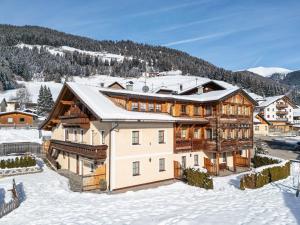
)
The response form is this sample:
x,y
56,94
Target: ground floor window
x,y
257,128
196,160
10,120
92,167
136,168
162,166
183,162
224,157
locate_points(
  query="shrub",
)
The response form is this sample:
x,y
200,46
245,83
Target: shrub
x,y
2,164
267,175
103,185
259,161
196,178
15,163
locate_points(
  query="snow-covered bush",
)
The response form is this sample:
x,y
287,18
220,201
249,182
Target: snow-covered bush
x,y
259,160
197,178
26,161
266,174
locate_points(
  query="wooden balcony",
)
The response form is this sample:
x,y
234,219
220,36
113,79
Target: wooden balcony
x,y
194,145
281,113
281,105
246,143
88,151
79,119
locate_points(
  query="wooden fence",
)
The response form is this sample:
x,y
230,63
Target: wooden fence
x,y
12,204
20,148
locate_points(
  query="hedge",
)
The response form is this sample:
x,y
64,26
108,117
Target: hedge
x,y
259,161
197,178
17,162
267,175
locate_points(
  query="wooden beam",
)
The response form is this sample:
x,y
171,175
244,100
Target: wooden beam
x,y
55,120
65,102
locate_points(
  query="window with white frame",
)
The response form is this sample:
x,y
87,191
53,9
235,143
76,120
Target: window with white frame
x,y
196,133
196,160
92,167
10,120
158,107
183,133
151,107
196,110
161,136
81,135
66,134
142,107
134,106
209,134
135,137
208,110
136,168
75,135
102,137
162,166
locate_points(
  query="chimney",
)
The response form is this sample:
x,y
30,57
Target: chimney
x,y
102,84
200,90
180,87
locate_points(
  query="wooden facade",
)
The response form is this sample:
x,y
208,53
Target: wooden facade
x,y
17,118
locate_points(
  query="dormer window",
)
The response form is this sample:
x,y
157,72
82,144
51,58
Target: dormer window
x,y
183,109
134,106
197,110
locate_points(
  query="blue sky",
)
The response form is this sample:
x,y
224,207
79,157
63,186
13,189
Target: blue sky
x,y
234,34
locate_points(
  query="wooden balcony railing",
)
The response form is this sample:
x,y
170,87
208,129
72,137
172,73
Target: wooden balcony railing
x,y
89,151
237,142
281,105
194,145
281,112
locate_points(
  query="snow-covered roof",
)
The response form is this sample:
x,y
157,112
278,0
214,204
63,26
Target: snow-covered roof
x,y
108,111
18,111
205,97
270,100
256,97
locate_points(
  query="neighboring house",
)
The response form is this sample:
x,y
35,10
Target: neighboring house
x,y
279,111
140,138
261,125
297,119
17,118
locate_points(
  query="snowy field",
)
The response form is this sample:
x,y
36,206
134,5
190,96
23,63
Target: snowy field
x,y
49,201
8,135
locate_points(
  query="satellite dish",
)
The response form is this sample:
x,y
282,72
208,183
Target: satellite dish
x,y
145,88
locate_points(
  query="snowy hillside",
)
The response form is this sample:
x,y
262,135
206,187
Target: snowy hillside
x,y
268,71
104,56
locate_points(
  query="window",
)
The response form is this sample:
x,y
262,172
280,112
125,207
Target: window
x,y
92,167
136,168
81,135
102,137
143,107
151,107
208,110
209,134
232,134
197,110
239,110
196,133
224,109
134,106
183,133
256,128
158,107
196,160
214,157
66,135
162,165
183,109
135,137
183,162
224,158
161,136
268,109
231,109
75,135
22,120
10,120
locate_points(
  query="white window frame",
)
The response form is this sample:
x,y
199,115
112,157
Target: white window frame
x,y
134,172
139,137
81,135
164,137
75,135
162,167
102,137
196,162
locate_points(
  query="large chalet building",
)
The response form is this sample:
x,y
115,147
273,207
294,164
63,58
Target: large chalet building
x,y
139,138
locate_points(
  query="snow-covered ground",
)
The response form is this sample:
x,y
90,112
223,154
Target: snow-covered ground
x,y
21,135
49,201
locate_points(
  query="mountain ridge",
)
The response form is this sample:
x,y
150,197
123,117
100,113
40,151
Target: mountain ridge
x,y
25,63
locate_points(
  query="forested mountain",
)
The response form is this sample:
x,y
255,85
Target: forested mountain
x,y
292,78
25,63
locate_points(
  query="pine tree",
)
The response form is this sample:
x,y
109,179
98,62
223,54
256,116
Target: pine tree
x,y
41,101
48,99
